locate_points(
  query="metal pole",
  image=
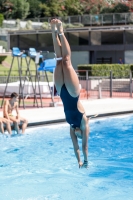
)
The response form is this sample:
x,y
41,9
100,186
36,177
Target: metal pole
x,y
7,82
39,86
49,88
30,76
99,89
20,84
22,91
37,77
87,82
130,83
110,83
113,19
53,85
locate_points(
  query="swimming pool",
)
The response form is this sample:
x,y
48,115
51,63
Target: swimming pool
x,y
41,164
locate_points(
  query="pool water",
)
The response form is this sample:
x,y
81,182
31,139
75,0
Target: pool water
x,y
41,164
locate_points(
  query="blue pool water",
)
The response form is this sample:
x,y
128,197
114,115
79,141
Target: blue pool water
x,y
41,164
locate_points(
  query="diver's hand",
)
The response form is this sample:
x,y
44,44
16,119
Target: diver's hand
x,y
80,164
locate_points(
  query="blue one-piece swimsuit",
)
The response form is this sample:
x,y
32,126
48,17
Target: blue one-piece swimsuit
x,y
73,116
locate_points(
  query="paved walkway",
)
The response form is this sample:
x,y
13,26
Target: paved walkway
x,y
95,106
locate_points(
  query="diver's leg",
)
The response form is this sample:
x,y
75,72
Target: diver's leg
x,y
70,77
58,73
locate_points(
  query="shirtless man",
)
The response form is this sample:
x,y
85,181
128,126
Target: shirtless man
x,y
9,106
7,123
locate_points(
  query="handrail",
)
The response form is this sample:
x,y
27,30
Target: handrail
x,y
86,20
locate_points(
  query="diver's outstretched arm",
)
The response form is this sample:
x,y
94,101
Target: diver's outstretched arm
x,y
75,146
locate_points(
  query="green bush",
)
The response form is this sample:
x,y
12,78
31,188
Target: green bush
x,y
74,25
121,8
29,25
45,25
106,10
18,23
2,58
1,19
118,70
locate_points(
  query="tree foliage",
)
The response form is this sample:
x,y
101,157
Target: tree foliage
x,y
51,8
121,8
1,19
61,8
73,7
34,8
93,6
20,9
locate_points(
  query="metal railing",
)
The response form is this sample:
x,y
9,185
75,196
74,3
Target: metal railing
x,y
77,20
91,86
106,86
42,78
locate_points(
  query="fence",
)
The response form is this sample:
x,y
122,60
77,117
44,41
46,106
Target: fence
x,y
91,86
86,20
105,86
42,78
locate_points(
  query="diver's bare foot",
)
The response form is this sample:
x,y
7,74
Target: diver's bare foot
x,y
53,25
59,27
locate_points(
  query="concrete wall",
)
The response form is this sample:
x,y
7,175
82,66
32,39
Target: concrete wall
x,y
91,84
78,57
128,57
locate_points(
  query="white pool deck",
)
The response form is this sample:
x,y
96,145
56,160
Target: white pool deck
x,y
95,106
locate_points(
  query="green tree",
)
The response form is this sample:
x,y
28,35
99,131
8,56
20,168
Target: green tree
x,y
43,1
1,19
93,6
20,9
106,10
121,8
35,9
61,8
1,3
6,8
73,7
51,8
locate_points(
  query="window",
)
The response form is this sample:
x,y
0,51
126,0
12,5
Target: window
x,y
13,41
129,37
78,38
112,37
83,38
27,41
73,38
45,40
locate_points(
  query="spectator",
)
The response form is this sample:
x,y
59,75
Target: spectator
x,y
9,106
120,61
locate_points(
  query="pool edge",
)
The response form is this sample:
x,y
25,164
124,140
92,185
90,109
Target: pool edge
x,y
55,121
